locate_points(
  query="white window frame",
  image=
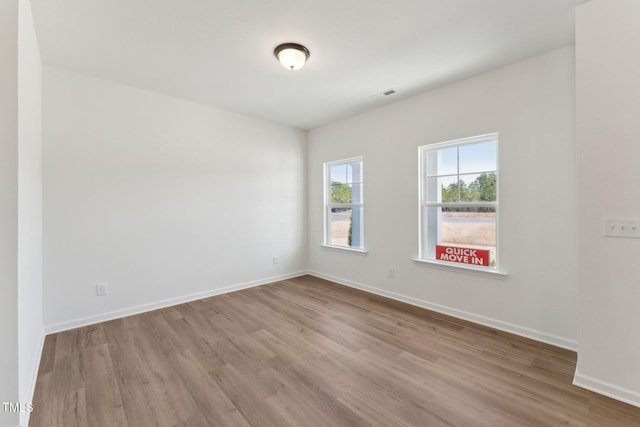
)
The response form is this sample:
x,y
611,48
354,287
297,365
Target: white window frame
x,y
426,246
328,205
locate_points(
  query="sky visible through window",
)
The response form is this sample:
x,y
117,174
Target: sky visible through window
x,y
474,158
344,173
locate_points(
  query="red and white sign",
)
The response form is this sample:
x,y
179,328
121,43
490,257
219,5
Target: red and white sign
x,y
462,255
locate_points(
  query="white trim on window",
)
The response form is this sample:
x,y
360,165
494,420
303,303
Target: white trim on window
x,y
355,251
355,189
461,268
429,229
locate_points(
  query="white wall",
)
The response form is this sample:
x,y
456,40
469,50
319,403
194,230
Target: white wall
x,y
30,326
161,198
531,105
608,129
9,207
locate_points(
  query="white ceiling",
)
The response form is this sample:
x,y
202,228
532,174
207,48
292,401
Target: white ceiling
x,y
220,52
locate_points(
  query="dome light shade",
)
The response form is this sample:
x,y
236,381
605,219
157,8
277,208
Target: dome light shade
x,y
292,56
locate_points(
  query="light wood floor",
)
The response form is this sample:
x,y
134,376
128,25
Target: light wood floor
x,y
308,352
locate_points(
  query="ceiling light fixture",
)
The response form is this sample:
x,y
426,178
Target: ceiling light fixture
x,y
292,56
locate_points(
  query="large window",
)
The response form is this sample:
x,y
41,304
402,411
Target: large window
x,y
344,207
459,202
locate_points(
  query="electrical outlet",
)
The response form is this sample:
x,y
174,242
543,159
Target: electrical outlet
x,y
622,227
102,289
275,259
391,272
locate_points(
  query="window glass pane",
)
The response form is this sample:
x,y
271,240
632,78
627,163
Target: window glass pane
x,y
468,188
469,228
338,173
356,193
431,228
441,189
346,227
442,162
340,193
354,172
478,157
357,228
478,187
340,221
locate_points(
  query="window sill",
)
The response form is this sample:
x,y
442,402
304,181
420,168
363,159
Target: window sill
x,y
494,274
354,251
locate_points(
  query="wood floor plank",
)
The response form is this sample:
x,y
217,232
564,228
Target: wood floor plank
x,y
210,399
307,352
326,389
48,356
103,401
248,398
144,402
160,350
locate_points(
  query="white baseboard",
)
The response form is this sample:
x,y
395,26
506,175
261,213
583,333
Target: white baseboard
x,y
606,389
90,320
482,320
24,416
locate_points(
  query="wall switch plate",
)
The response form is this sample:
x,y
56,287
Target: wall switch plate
x,y
391,272
622,227
102,289
276,260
